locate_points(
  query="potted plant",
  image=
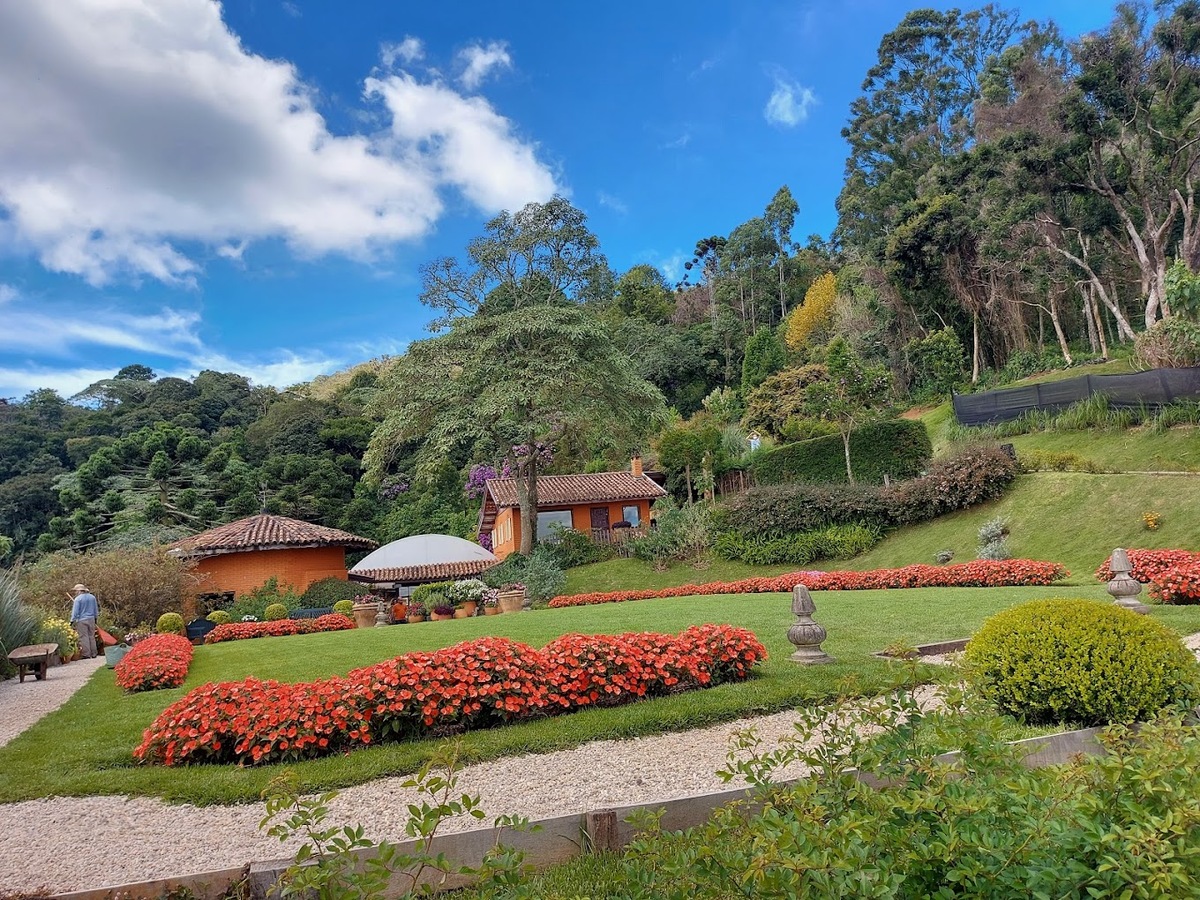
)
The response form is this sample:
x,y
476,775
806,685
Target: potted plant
x,y
491,602
467,594
512,597
364,609
416,612
442,611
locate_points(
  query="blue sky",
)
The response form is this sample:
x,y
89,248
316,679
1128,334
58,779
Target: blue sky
x,y
253,187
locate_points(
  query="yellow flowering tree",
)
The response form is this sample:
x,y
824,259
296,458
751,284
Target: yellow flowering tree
x,y
813,313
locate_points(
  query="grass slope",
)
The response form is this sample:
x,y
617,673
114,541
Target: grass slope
x,y
1068,517
84,748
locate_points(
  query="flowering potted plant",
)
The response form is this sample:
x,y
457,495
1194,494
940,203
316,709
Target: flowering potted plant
x,y
442,611
416,612
467,594
491,602
365,608
512,597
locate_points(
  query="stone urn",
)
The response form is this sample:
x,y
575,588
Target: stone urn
x,y
364,614
806,634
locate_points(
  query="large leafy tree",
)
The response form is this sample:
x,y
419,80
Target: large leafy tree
x,y
544,253
507,385
522,366
1134,116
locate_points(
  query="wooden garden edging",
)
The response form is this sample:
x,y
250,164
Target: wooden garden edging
x,y
557,840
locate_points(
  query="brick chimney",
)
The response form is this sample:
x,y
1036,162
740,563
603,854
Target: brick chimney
x,y
635,465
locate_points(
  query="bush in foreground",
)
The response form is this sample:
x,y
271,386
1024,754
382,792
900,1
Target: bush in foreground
x,y
1079,661
474,684
980,573
159,661
1124,824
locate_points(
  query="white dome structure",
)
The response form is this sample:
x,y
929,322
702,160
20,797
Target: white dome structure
x,y
423,558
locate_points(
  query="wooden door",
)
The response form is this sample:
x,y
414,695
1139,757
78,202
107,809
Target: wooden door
x,y
599,518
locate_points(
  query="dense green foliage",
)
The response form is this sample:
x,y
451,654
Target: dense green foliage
x,y
979,825
834,542
328,591
967,479
1074,661
898,448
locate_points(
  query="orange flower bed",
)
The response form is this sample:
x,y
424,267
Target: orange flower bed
x,y
159,661
1149,564
241,631
980,573
474,684
1179,585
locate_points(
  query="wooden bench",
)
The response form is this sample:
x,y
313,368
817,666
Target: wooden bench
x,y
33,658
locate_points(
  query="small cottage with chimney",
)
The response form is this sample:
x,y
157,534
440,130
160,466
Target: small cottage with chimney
x,y
597,504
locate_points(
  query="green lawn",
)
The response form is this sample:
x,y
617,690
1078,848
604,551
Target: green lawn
x,y
84,748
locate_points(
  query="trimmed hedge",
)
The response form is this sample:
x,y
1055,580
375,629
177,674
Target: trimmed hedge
x,y
973,476
834,542
898,448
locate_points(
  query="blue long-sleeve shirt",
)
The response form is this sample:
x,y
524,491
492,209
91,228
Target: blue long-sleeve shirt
x,y
85,607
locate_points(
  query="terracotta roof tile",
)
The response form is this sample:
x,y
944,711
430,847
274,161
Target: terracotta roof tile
x,y
425,572
565,490
266,532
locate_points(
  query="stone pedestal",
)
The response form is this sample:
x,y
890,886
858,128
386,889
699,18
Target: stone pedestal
x,y
1123,587
382,616
806,634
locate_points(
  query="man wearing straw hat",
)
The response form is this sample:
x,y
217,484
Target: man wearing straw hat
x,y
84,613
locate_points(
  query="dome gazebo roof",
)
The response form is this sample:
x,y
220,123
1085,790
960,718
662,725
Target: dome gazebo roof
x,y
423,558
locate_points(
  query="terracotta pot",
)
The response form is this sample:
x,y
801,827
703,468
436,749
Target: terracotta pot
x,y
439,617
511,601
364,614
462,613
470,606
491,610
413,620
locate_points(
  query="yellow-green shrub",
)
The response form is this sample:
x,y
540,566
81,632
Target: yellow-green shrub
x,y
275,611
59,631
346,607
169,623
219,617
1080,661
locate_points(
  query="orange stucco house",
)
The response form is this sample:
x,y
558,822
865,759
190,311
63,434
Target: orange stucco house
x,y
592,503
242,555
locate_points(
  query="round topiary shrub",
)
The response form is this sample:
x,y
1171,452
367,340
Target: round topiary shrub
x,y
345,607
169,623
219,617
275,611
1080,662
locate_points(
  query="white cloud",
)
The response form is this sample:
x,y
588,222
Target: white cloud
x,y
168,340
291,9
131,131
8,293
616,204
461,141
479,61
789,103
407,51
17,382
678,143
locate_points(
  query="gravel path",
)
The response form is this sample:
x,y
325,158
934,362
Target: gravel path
x,y
93,842
23,703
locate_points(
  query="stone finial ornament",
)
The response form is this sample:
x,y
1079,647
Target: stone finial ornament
x,y
806,634
1123,587
381,614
